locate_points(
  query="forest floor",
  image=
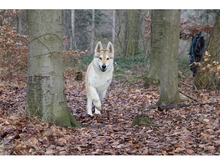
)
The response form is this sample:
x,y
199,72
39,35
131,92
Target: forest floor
x,y
192,130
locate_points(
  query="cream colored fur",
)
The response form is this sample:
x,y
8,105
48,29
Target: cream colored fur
x,y
99,76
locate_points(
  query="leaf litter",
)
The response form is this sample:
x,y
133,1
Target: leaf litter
x,y
190,130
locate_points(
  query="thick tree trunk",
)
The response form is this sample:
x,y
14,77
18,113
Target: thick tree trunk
x,y
207,79
169,93
164,53
45,91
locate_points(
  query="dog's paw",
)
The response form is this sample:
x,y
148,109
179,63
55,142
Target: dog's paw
x,y
97,105
97,111
90,113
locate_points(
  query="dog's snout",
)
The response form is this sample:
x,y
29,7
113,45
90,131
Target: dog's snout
x,y
103,66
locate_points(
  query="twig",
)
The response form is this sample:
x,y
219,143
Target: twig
x,y
193,85
188,96
166,107
185,84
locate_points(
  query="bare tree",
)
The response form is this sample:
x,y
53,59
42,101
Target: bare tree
x,y
113,26
45,91
93,31
164,53
132,32
22,24
72,28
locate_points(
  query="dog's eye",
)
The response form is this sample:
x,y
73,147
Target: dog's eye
x,y
100,58
107,59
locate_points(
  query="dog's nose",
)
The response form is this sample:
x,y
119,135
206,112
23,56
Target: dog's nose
x,y
103,66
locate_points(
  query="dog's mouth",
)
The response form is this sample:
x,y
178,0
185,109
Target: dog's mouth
x,y
103,69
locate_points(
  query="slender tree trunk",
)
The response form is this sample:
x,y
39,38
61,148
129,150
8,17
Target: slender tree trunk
x,y
72,28
208,79
45,91
156,46
132,32
21,26
113,26
66,29
93,31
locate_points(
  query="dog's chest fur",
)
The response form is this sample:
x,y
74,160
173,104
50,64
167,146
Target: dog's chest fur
x,y
100,81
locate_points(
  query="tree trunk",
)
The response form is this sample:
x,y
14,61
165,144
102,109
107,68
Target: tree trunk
x,y
132,32
72,29
164,53
169,93
66,19
156,46
45,81
113,26
93,31
21,27
208,79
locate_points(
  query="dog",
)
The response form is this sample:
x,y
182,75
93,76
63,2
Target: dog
x,y
99,76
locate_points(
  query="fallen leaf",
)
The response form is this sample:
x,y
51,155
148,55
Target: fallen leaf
x,y
189,151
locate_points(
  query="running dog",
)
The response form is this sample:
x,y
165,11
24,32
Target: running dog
x,y
99,76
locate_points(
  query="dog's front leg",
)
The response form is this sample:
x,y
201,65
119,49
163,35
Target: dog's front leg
x,y
102,94
89,104
96,99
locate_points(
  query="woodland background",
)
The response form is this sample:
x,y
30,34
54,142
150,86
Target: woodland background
x,y
190,130
87,27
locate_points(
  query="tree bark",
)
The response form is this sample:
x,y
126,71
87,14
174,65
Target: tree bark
x,y
132,32
66,19
207,79
169,93
45,81
21,27
164,53
113,26
72,29
156,46
93,31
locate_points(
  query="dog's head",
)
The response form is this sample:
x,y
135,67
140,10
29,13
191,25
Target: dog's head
x,y
104,57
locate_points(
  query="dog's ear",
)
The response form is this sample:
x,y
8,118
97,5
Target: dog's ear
x,y
98,47
110,48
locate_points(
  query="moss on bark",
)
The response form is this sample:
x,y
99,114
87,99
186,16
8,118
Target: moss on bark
x,y
65,118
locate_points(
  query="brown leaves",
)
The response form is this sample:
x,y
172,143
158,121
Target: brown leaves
x,y
13,46
211,65
180,131
185,131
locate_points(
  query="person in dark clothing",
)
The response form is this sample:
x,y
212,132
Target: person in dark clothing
x,y
196,51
